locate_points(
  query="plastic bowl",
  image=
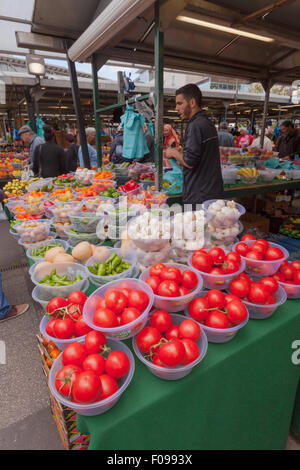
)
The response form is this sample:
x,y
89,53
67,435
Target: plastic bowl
x,y
249,180
119,214
102,185
101,280
175,304
61,243
267,175
60,228
174,373
220,220
219,335
212,281
262,268
133,192
85,221
15,235
148,258
61,210
99,407
150,244
220,236
125,331
292,290
71,269
60,343
49,239
75,238
33,231
261,312
96,204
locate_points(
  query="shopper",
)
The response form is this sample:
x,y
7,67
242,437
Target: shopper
x,y
288,144
48,158
90,133
116,148
171,140
226,139
149,157
200,157
267,145
244,140
31,140
71,153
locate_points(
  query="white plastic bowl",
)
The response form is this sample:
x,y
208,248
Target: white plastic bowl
x,y
222,238
174,373
213,281
61,243
175,304
292,290
148,258
60,343
85,221
38,232
124,331
71,269
219,335
43,299
75,238
126,255
261,268
220,220
261,312
99,407
49,239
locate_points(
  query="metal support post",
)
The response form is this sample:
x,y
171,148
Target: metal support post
x,y
30,109
159,98
267,87
79,114
96,106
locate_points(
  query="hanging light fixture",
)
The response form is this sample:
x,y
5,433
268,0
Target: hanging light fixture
x,y
35,65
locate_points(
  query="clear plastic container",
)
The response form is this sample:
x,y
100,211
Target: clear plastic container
x,y
60,343
292,290
119,214
221,237
124,254
75,238
60,228
96,204
125,331
71,269
261,268
221,220
38,185
267,175
148,258
85,221
49,239
221,282
59,243
150,244
102,185
15,235
33,231
175,304
174,373
219,335
41,297
246,180
261,312
131,193
99,407
62,210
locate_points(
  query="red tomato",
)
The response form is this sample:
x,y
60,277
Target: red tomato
x,y
94,342
259,248
216,298
296,277
105,318
168,289
172,353
237,312
74,354
279,277
172,333
191,351
171,273
126,291
183,291
153,282
147,338
254,255
230,297
63,329
156,269
94,362
271,299
189,329
273,253
56,304
50,327
73,312
242,249
65,378
189,280
216,272
117,364
230,267
130,314
138,299
198,308
156,361
248,237
233,256
294,265
263,242
288,272
116,301
81,328
258,294
244,276
240,287
77,297
109,386
101,303
217,255
202,261
87,387
161,320
284,264
216,319
270,283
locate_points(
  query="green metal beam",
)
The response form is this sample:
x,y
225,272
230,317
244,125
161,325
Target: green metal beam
x,y
159,98
96,106
124,103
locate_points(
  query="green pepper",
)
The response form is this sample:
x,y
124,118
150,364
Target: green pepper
x,y
101,269
92,270
116,262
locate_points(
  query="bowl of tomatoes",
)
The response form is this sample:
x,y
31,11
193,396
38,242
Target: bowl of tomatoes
x,y
220,315
120,308
174,285
262,258
288,277
217,267
90,378
170,345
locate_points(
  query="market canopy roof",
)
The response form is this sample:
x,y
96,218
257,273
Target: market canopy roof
x,y
125,31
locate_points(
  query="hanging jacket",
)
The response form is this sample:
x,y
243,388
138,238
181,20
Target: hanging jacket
x,y
135,144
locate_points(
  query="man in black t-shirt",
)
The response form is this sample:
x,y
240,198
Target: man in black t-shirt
x,y
200,156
